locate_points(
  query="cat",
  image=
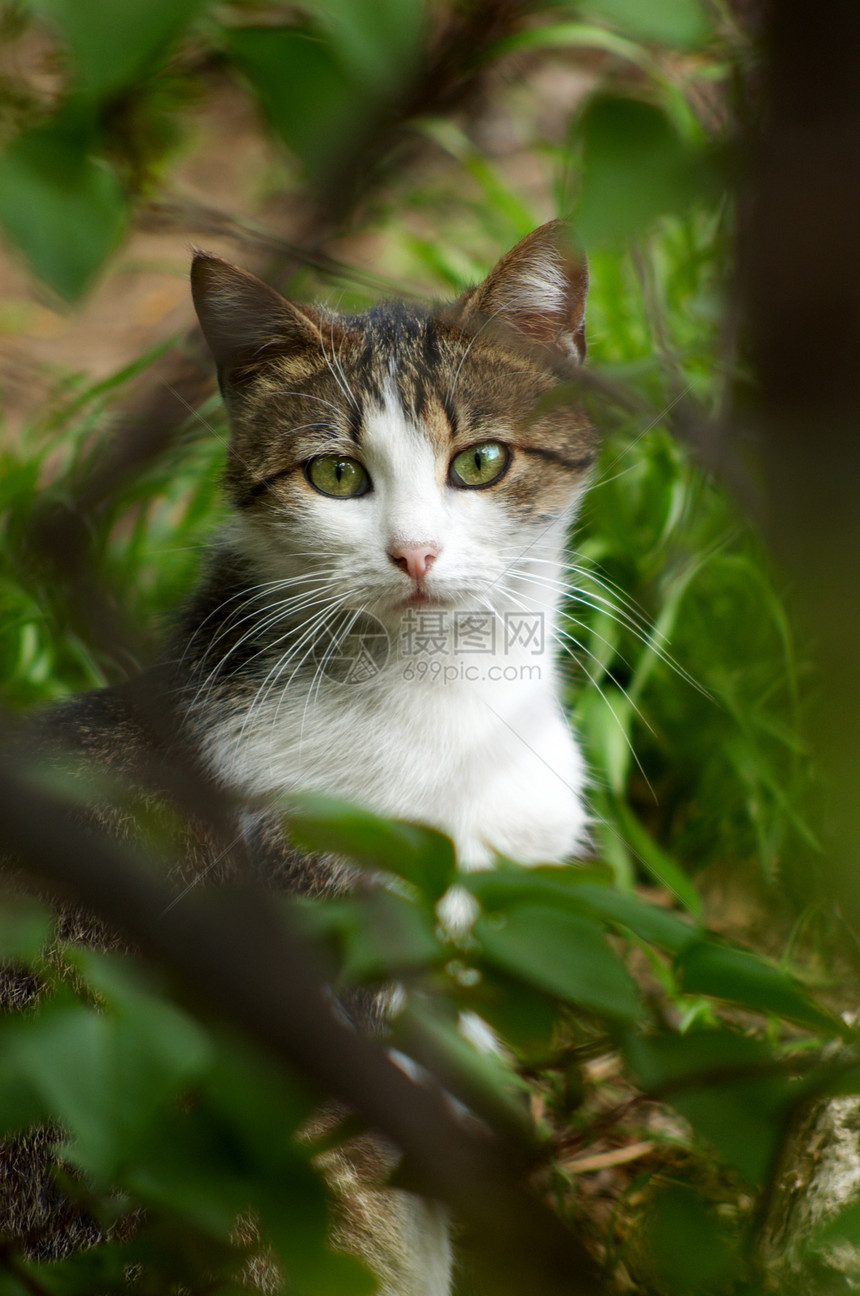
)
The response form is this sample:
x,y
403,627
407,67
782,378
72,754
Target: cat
x,y
378,620
390,469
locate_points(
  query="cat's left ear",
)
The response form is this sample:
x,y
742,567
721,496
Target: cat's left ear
x,y
245,322
539,290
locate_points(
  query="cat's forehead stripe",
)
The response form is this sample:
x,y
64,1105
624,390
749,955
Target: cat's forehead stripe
x,y
356,420
450,387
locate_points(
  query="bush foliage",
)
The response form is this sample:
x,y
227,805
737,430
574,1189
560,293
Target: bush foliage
x,y
635,1041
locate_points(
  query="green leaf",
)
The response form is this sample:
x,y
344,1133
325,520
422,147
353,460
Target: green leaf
x,y
318,1269
262,1105
11,1286
111,49
560,886
651,922
379,40
569,35
686,1246
106,1076
188,1169
636,167
653,858
294,1219
525,1018
839,1229
481,1079
711,1078
562,953
21,1104
96,1270
665,1063
60,205
24,929
197,1171
605,715
421,855
309,97
682,23
710,968
377,935
391,937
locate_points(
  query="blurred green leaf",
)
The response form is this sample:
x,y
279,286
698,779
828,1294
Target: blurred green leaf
x,y
420,855
561,887
667,1063
652,922
320,1270
479,1076
386,936
842,1227
60,205
93,1271
562,953
371,936
709,967
650,854
24,929
635,168
196,1169
107,1076
606,713
264,1106
21,1104
688,1247
188,1168
310,98
523,1017
682,23
111,46
562,35
378,39
12,1286
724,1084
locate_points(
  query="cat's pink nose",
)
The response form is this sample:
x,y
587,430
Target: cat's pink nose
x,y
415,560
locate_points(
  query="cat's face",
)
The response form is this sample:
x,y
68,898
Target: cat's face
x,y
404,457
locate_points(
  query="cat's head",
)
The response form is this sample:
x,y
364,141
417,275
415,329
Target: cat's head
x,y
407,455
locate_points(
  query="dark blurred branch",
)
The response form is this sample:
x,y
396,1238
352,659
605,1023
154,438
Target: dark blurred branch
x,y
175,212
800,278
800,290
449,76
236,957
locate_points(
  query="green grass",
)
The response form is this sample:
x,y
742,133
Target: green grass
x,y
146,543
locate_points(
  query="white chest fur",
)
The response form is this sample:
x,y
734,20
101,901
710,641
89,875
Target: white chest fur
x,y
491,761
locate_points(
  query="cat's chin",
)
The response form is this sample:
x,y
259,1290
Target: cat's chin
x,y
420,598
396,606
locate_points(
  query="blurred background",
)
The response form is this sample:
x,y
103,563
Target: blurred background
x,y
706,153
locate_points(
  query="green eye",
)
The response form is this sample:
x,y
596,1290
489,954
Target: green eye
x,y
480,465
333,475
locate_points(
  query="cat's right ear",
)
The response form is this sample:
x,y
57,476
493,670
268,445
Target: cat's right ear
x,y
245,322
538,291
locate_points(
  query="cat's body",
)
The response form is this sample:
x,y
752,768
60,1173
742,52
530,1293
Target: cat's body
x,y
378,621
